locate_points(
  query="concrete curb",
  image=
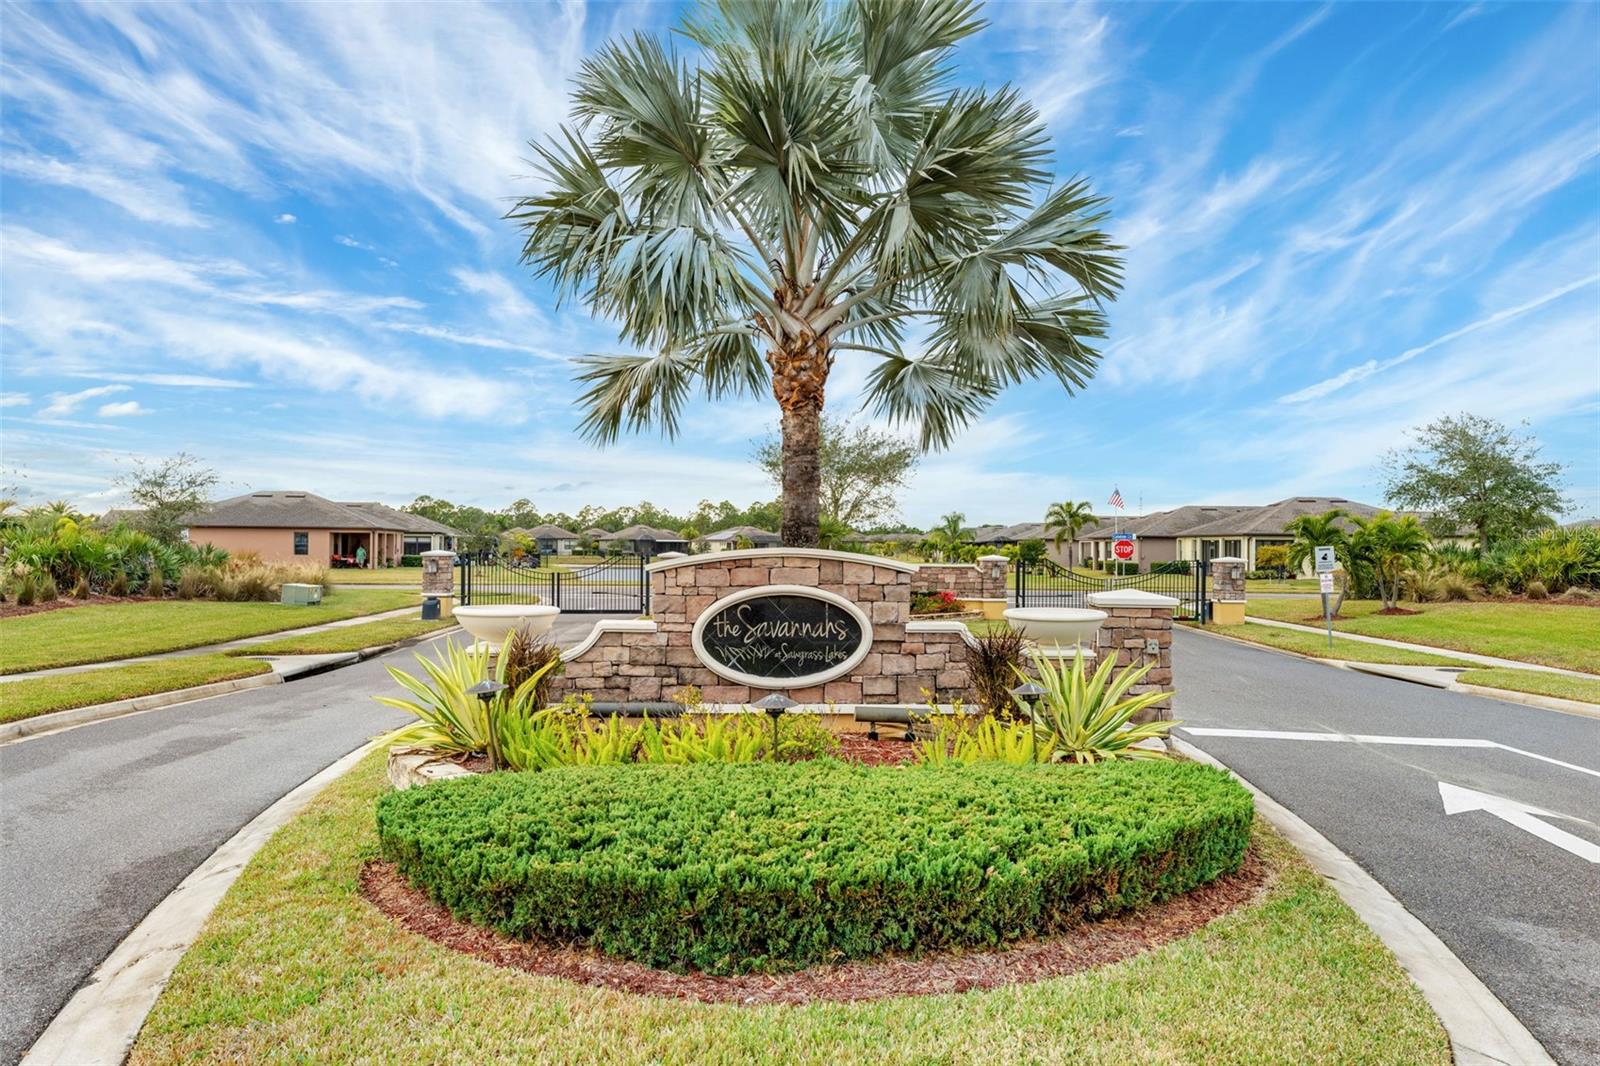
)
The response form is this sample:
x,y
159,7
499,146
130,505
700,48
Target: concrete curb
x,y
1530,699
1482,1031
99,1023
97,712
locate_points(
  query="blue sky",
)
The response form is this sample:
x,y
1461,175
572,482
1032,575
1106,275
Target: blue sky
x,y
270,236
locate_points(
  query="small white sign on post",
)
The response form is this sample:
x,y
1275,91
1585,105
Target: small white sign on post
x,y
1325,565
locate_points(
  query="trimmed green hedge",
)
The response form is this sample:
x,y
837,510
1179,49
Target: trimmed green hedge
x,y
735,868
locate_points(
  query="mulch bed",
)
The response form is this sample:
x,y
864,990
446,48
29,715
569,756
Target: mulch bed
x,y
855,747
1090,945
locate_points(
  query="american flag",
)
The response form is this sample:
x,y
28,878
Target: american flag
x,y
1116,499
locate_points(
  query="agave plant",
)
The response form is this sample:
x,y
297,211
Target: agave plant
x,y
449,718
990,740
1085,718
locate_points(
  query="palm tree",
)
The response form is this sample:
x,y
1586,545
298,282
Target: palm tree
x,y
1067,520
950,536
1391,546
815,187
1311,531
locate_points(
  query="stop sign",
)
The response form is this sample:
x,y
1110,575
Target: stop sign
x,y
1123,549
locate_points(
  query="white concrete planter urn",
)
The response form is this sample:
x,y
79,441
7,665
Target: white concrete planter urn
x,y
1063,626
491,623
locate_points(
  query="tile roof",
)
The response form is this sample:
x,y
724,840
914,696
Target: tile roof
x,y
545,531
401,520
750,533
290,509
642,532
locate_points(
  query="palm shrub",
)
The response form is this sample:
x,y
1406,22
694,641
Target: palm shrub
x,y
1087,718
1065,520
1326,529
815,187
1390,546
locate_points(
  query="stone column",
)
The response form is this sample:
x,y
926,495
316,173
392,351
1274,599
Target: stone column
x,y
992,570
439,579
1227,591
1138,629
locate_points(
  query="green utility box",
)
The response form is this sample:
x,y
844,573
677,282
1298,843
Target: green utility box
x,y
302,595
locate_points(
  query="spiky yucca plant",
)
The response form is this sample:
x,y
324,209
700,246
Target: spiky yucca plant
x,y
1086,717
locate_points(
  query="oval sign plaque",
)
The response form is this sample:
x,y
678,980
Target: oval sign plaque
x,y
782,636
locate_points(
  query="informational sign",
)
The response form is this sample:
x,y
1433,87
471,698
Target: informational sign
x,y
1326,581
1122,545
1325,562
781,636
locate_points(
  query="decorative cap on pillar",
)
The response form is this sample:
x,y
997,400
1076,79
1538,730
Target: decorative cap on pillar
x,y
1131,598
672,555
993,559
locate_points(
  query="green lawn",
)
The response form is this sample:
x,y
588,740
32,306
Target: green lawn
x,y
60,692
394,575
1293,584
101,632
1563,686
1555,635
346,638
295,967
1315,644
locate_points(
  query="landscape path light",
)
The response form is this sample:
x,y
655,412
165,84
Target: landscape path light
x,y
1028,694
775,705
487,690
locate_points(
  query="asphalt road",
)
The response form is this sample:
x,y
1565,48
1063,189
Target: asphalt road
x,y
1522,912
100,822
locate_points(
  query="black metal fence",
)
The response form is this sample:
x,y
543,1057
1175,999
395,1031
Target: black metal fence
x,y
614,585
1049,584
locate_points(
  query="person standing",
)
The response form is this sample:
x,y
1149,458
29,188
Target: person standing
x,y
361,557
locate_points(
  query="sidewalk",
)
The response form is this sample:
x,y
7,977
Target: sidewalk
x,y
1429,649
228,645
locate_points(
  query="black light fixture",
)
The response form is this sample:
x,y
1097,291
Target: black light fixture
x,y
775,704
486,690
1027,694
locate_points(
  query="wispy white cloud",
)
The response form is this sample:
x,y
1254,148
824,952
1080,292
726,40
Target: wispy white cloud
x,y
146,196
63,404
15,399
124,409
285,219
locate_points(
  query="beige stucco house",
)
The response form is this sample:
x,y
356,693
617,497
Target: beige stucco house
x,y
288,526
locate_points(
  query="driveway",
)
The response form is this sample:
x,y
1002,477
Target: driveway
x,y
99,823
1509,880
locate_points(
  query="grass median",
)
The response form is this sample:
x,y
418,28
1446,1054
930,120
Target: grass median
x,y
294,966
1565,635
1536,682
61,692
394,575
1316,646
347,638
97,633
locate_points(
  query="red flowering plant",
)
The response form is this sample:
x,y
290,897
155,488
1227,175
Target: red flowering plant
x,y
934,602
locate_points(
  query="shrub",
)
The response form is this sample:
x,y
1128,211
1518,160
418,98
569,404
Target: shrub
x,y
27,591
934,602
81,590
1535,590
1273,557
195,583
410,560
773,866
523,657
256,584
1085,717
993,660
1120,568
1452,586
119,584
156,585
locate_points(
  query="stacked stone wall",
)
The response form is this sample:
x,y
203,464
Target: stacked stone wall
x,y
908,662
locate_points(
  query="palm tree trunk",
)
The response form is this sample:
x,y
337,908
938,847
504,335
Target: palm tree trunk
x,y
799,376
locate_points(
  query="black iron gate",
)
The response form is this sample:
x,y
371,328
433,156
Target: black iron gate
x,y
1049,584
616,584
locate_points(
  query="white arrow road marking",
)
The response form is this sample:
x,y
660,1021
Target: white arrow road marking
x,y
1374,738
1458,800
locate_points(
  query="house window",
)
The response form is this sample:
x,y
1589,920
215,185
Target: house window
x,y
418,545
1233,549
302,543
